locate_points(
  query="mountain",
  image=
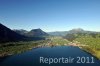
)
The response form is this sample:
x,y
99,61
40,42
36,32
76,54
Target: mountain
x,y
32,33
20,31
58,33
80,30
73,31
37,32
7,34
76,30
77,33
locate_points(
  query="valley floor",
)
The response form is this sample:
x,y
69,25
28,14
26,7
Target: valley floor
x,y
19,47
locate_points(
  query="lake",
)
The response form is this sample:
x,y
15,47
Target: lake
x,y
52,56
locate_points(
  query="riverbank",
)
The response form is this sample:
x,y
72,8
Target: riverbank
x,y
93,45
12,48
88,48
92,51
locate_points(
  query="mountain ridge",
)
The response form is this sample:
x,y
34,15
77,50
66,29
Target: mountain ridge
x,y
32,33
72,31
8,35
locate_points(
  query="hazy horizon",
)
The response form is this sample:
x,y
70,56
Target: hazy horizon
x,y
50,15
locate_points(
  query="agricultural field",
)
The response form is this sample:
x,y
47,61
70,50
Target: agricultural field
x,y
59,41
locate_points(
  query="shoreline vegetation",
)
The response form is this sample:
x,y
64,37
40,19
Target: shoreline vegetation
x,y
92,45
12,48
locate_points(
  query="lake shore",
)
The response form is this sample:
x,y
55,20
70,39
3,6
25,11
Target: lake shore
x,y
12,48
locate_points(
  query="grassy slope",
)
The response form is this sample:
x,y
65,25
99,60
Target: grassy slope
x,y
93,45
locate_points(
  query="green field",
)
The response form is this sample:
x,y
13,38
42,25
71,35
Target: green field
x,y
58,41
92,45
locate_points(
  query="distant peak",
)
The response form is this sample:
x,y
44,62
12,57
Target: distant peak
x,y
78,29
38,29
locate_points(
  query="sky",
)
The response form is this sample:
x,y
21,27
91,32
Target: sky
x,y
50,15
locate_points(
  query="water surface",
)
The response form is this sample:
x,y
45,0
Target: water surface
x,y
32,58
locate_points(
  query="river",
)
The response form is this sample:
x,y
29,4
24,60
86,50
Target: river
x,y
52,56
